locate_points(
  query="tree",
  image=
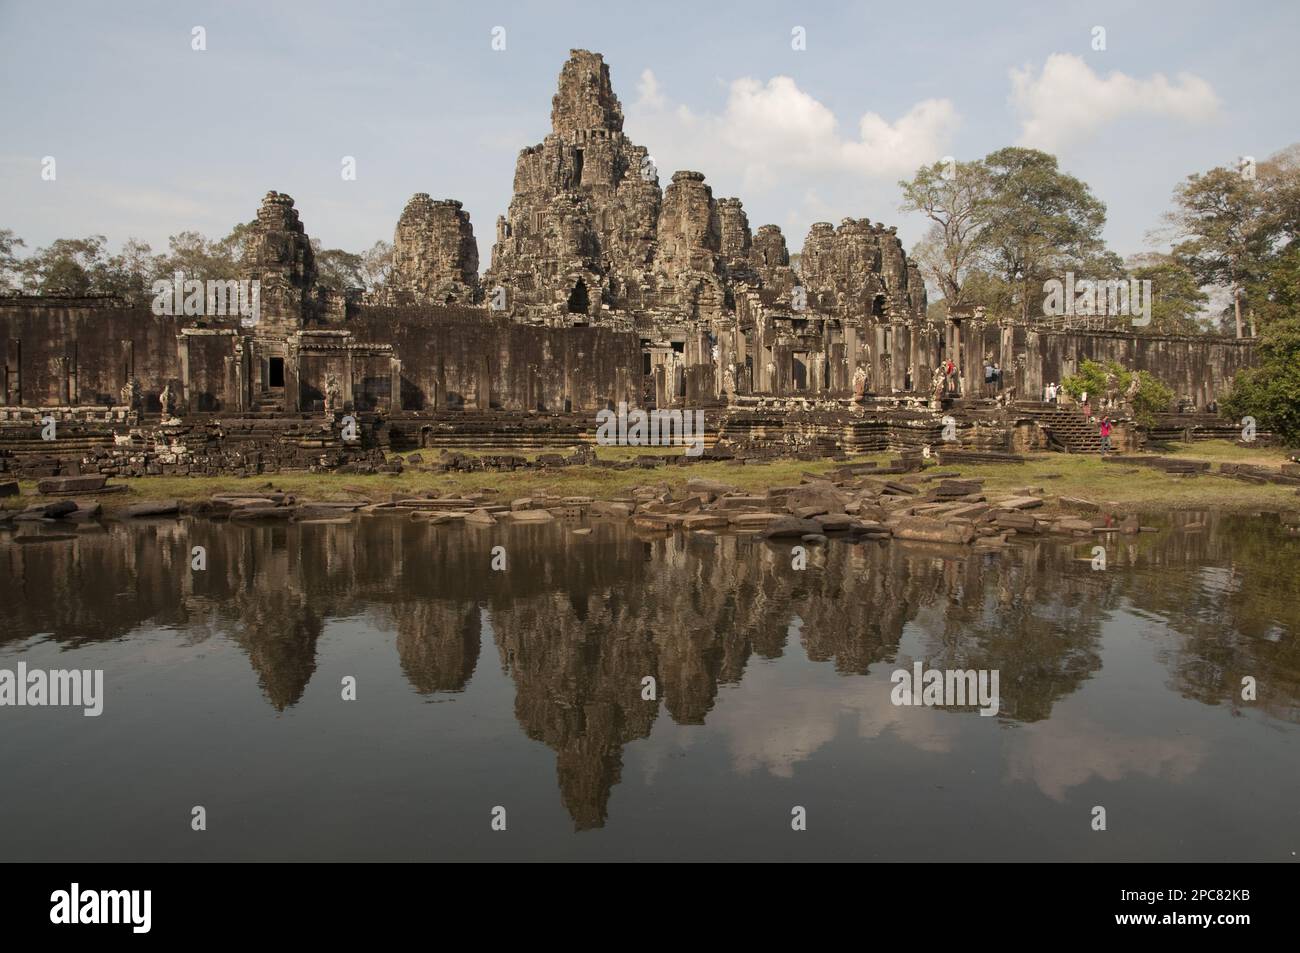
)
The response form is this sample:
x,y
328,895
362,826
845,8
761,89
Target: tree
x,y
376,266
953,197
337,270
1003,225
1176,295
1039,222
1094,379
72,267
10,272
1223,221
1270,391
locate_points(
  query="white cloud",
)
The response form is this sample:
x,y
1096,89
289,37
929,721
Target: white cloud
x,y
648,92
767,131
1068,101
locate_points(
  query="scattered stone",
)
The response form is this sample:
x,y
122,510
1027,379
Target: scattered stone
x,y
531,516
56,486
152,508
926,530
790,526
701,521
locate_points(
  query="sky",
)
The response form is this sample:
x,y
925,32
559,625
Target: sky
x,y
150,136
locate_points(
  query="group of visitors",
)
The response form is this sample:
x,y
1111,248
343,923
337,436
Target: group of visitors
x,y
992,377
1051,392
950,377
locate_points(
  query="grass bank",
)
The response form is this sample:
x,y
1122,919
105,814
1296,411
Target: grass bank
x,y
1141,489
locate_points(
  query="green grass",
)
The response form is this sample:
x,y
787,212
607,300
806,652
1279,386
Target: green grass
x,y
1135,488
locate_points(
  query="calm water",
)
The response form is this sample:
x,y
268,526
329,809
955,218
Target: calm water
x,y
523,689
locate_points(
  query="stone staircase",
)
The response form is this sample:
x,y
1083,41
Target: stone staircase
x,y
1069,429
266,402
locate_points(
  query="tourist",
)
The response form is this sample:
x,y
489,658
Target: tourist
x,y
907,378
997,375
1105,435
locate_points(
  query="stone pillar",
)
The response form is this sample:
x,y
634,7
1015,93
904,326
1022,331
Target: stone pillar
x,y
183,353
292,377
395,369
242,398
13,392
348,393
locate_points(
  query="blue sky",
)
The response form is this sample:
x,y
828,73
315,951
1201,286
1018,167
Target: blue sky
x,y
151,137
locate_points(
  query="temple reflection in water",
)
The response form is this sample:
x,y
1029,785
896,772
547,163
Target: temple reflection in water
x,y
578,621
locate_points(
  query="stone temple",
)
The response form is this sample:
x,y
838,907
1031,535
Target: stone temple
x,y
604,286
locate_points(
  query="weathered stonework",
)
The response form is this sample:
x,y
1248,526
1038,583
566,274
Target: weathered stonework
x,y
435,257
580,232
278,255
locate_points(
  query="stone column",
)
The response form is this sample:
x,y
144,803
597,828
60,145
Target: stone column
x,y
395,369
292,377
183,353
348,392
13,372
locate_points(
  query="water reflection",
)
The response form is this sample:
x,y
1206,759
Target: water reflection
x,y
578,621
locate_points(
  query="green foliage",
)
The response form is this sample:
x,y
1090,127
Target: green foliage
x,y
1176,295
1270,392
1096,379
1090,379
10,274
338,270
953,197
1003,225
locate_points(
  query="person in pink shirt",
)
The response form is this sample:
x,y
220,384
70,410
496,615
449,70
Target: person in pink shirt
x,y
1104,430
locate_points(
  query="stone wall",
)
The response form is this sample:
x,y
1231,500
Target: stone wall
x,y
465,358
81,351
1199,369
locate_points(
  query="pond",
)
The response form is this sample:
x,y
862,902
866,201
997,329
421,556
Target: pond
x,y
386,689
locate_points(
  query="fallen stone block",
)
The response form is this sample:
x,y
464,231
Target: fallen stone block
x,y
699,521
923,529
51,511
784,526
741,502
1019,503
54,486
252,513
744,520
834,522
606,508
531,516
708,490
653,521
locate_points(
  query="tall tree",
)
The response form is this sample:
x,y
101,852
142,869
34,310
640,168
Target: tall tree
x,y
953,196
1226,231
1176,295
376,266
337,270
1039,222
